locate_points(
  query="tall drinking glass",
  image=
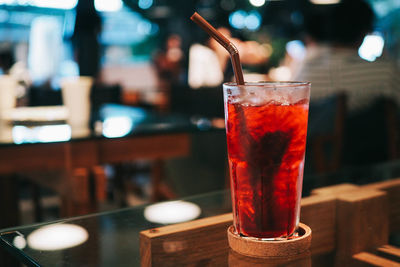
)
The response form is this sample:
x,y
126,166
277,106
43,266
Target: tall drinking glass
x,y
266,127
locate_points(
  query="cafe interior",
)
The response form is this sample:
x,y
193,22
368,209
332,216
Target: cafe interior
x,y
113,133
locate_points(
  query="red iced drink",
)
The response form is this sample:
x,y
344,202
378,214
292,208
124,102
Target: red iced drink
x,y
266,137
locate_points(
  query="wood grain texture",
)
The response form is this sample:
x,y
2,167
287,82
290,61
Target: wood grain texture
x,y
186,243
390,251
364,258
362,222
253,247
238,260
89,153
392,188
100,183
146,147
59,166
358,216
319,213
32,157
334,189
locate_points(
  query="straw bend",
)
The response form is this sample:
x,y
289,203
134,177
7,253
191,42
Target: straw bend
x,y
225,42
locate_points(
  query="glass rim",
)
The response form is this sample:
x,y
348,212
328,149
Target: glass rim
x,y
269,84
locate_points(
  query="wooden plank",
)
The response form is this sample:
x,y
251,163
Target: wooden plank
x,y
319,213
362,223
100,183
357,216
180,244
186,243
334,189
238,260
32,157
392,188
374,260
390,251
146,147
84,154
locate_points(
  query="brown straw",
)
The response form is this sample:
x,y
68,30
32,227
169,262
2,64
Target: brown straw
x,y
228,45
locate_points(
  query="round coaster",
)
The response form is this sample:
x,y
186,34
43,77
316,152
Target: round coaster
x,y
254,247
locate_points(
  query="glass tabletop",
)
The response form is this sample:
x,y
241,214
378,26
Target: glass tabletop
x,y
112,238
103,239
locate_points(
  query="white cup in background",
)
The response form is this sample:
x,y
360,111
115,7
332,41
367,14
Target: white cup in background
x,y
76,97
8,86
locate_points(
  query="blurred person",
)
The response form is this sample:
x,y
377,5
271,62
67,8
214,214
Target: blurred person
x,y
87,28
333,66
209,64
168,64
332,62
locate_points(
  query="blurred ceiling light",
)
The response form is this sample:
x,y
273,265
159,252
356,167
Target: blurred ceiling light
x,y
296,49
117,126
240,19
253,20
145,4
325,2
61,4
108,5
6,2
144,27
57,237
172,212
257,3
237,19
372,47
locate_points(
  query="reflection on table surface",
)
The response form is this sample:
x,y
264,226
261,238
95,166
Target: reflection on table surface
x,y
112,238
47,125
104,239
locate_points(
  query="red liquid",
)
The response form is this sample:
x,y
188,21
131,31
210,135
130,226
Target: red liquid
x,y
266,157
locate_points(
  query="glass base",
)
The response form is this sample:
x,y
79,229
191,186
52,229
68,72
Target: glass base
x,y
271,247
297,233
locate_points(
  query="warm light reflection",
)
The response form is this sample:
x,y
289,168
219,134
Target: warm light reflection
x,y
372,47
117,126
172,212
57,237
19,242
257,3
42,134
324,2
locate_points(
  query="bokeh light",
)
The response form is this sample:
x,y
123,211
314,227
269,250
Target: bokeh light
x,y
108,5
257,3
240,19
371,47
253,21
145,4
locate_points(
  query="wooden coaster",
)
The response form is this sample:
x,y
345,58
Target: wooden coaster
x,y
254,247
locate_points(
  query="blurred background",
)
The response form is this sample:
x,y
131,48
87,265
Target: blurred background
x,y
156,58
